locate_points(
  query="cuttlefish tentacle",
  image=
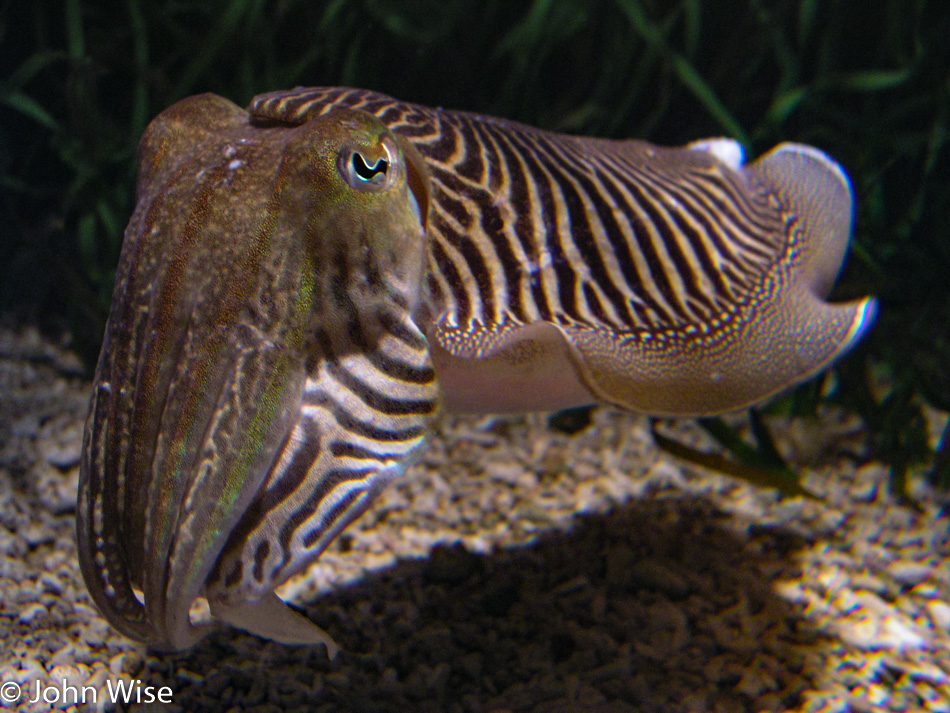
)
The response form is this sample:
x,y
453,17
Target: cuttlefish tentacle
x,y
233,324
304,285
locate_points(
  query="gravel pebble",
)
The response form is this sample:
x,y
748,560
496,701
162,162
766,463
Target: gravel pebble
x,y
909,573
521,570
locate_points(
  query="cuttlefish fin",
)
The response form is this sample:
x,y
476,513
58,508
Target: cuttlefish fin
x,y
511,367
779,334
815,190
271,618
782,334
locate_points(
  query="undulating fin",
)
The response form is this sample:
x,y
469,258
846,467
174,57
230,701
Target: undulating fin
x,y
521,368
776,333
781,334
816,198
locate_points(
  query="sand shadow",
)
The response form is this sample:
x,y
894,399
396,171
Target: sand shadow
x,y
660,605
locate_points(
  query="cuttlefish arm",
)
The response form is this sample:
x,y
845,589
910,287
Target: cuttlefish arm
x,y
261,376
567,270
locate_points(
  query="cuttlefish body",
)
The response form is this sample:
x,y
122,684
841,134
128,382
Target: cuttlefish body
x,y
303,286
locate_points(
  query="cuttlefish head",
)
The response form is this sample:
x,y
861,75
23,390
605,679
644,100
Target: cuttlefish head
x,y
261,328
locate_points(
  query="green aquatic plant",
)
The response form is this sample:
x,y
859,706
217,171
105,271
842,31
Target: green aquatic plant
x,y
874,94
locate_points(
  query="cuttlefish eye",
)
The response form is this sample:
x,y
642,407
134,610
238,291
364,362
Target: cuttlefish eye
x,y
368,169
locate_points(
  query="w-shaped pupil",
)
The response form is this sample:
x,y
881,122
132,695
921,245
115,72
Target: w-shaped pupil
x,y
368,173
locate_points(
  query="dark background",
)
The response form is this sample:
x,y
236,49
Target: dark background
x,y
868,82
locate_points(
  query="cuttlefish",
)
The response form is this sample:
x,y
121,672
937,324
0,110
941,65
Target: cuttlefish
x,y
304,286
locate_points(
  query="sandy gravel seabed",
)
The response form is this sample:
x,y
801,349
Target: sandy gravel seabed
x,y
519,569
